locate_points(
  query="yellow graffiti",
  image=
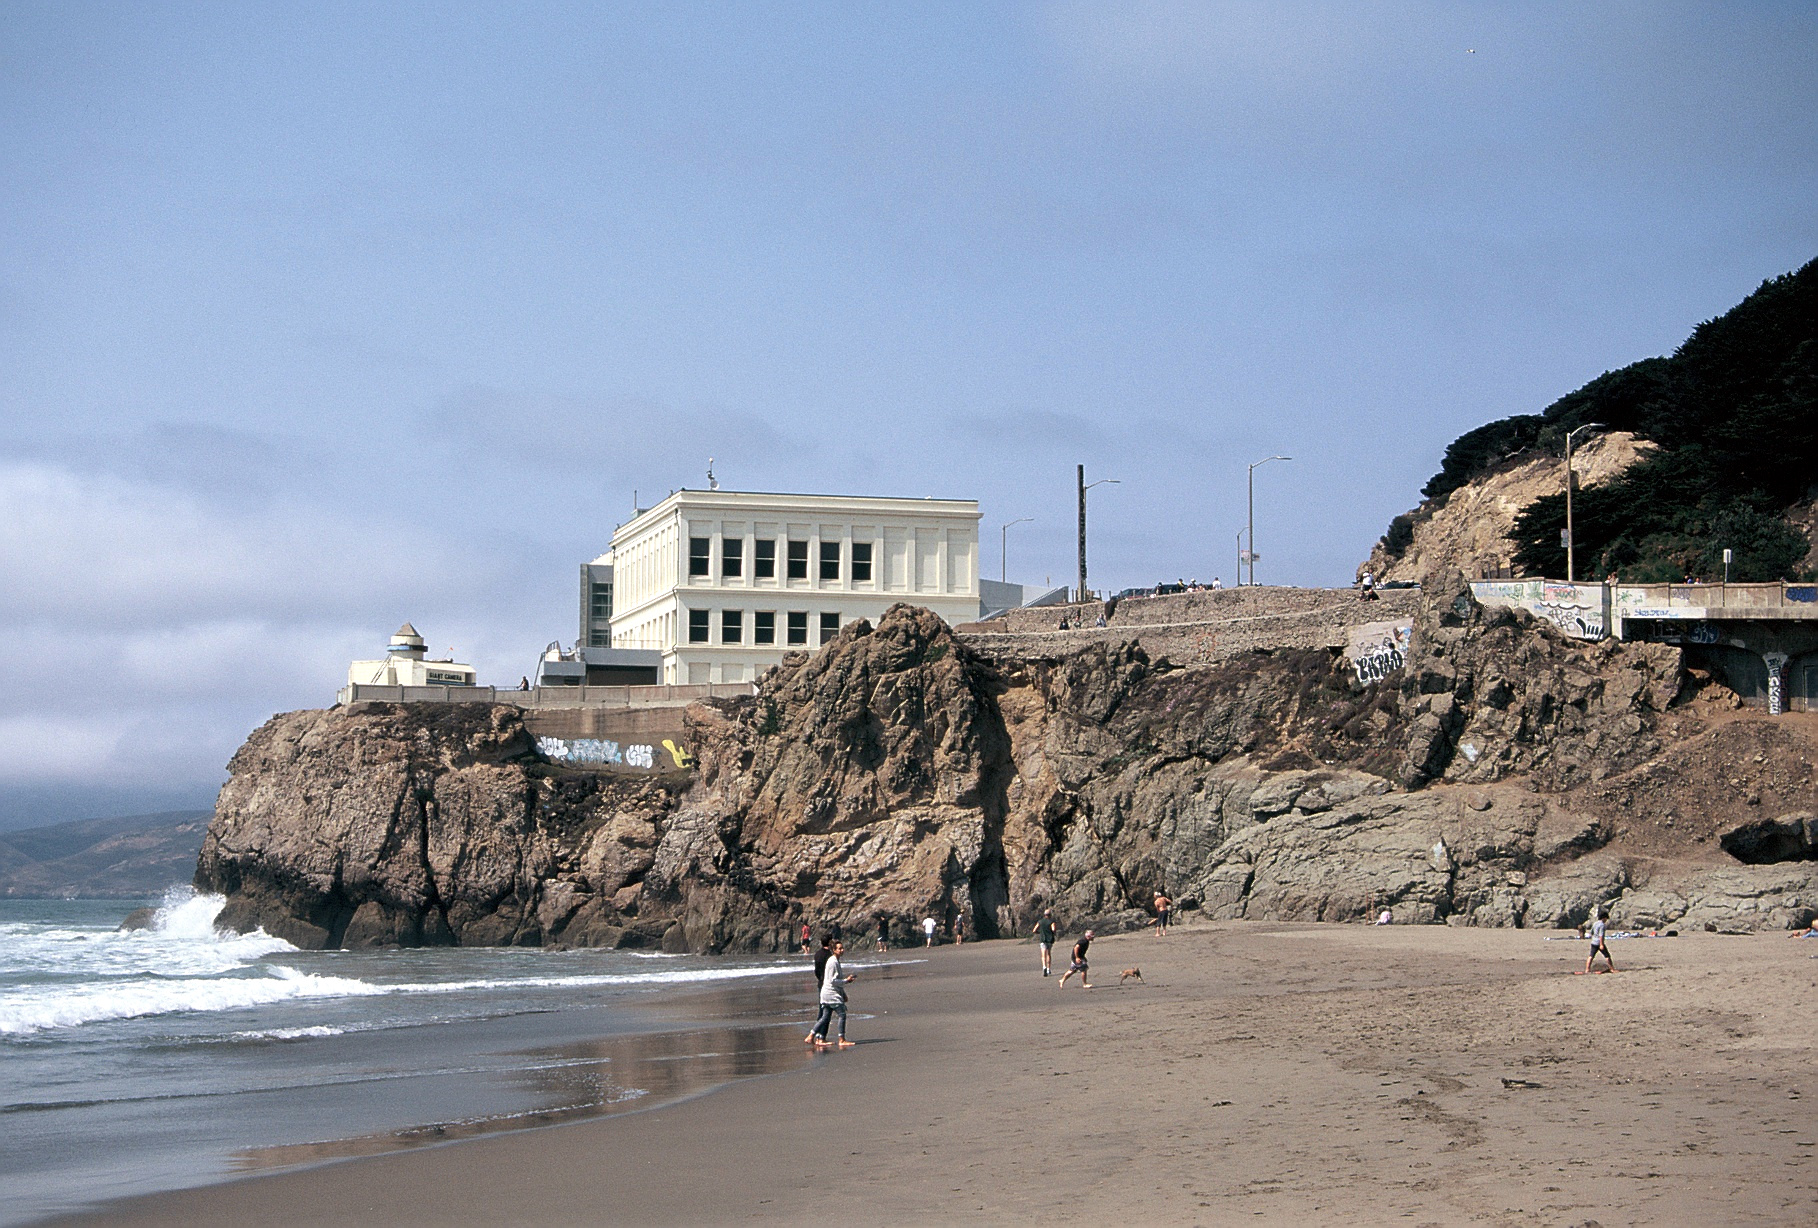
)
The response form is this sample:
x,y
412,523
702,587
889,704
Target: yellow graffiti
x,y
682,758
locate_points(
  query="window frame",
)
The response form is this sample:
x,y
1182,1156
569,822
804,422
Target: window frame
x,y
829,619
700,562
834,560
700,626
763,627
797,622
763,558
733,622
864,563
732,558
798,567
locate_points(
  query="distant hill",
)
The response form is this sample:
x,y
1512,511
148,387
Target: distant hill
x,y
1732,420
132,855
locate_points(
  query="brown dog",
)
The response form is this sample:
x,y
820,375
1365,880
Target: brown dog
x,y
1130,974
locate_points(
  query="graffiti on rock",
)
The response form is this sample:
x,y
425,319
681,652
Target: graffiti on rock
x,y
1379,649
604,752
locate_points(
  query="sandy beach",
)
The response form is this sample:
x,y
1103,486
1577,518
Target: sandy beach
x,y
1262,1073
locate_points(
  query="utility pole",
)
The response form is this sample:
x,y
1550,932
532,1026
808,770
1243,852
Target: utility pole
x,y
1571,543
1003,547
1083,488
1252,551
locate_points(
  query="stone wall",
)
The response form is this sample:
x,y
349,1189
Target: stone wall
x,y
1195,628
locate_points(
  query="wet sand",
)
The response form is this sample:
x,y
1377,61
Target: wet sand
x,y
1262,1073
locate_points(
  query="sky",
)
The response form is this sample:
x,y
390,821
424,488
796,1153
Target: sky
x,y
317,318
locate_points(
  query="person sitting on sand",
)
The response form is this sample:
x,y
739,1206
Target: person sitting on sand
x,y
1598,942
833,1001
1810,931
1079,962
1386,918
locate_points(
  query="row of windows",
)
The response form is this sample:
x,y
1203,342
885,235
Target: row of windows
x,y
763,627
763,559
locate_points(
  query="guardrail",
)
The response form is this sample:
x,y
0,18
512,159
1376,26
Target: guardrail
x,y
546,696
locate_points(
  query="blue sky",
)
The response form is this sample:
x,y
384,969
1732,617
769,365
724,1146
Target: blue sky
x,y
316,318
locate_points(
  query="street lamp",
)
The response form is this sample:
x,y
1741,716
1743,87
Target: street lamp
x,y
1252,551
1003,542
1083,488
1571,576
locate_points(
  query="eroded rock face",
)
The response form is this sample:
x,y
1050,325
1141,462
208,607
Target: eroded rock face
x,y
897,774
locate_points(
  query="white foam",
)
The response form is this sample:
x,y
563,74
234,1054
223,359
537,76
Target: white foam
x,y
290,1033
35,1009
182,940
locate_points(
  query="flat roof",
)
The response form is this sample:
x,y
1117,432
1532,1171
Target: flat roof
x,y
947,507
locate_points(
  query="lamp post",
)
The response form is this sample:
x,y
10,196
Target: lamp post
x,y
1252,551
1003,544
1083,488
1571,546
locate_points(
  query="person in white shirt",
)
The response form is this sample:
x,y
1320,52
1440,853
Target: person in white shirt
x,y
929,925
1598,942
833,1000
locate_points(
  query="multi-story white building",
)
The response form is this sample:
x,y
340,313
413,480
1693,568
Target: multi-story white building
x,y
725,582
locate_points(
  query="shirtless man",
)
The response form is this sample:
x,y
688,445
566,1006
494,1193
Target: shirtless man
x,y
1164,908
1079,962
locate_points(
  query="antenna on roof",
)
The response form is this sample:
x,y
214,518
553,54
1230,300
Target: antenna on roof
x,y
713,483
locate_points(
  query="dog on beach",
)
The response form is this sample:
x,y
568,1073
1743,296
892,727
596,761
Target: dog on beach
x,y
1130,974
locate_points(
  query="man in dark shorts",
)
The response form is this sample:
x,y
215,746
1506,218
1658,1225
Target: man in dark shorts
x,y
1164,909
1044,934
1079,962
1600,944
883,932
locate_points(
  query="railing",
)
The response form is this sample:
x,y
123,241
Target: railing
x,y
546,696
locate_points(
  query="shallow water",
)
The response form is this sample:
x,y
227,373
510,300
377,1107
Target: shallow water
x,y
179,1055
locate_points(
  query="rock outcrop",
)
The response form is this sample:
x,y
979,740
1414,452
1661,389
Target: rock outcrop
x,y
897,773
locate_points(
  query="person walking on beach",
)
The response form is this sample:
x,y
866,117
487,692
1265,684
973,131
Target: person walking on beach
x,y
1599,942
1079,962
928,927
833,1000
820,978
1164,908
1044,935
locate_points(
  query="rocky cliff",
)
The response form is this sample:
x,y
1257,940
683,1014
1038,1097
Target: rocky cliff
x,y
1504,776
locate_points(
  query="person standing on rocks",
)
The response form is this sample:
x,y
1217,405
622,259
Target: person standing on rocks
x,y
833,1000
929,925
1044,935
1599,942
1079,962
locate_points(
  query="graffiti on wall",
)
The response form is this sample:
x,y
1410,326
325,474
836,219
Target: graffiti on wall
x,y
1574,620
1377,650
604,752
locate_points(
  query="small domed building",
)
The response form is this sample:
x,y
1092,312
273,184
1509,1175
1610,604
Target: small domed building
x,y
406,663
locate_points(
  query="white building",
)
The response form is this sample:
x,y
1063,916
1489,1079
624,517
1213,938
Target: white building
x,y
723,582
405,664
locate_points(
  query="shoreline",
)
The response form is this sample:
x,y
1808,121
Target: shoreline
x,y
1272,1072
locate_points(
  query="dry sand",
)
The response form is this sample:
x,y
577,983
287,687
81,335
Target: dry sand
x,y
1260,1074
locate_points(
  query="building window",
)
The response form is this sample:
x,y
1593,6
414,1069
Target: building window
x,y
763,558
600,601
830,560
861,562
830,627
699,623
599,639
732,556
763,627
798,560
798,626
732,626
700,556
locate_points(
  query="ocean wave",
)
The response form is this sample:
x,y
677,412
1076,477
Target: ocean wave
x,y
27,1010
181,940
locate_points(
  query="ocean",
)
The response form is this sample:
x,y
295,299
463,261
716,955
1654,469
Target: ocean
x,y
180,1055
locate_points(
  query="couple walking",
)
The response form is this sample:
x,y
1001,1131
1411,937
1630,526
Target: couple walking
x,y
833,980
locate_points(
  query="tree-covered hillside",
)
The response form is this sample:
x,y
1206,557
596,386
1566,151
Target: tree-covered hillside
x,y
1735,412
